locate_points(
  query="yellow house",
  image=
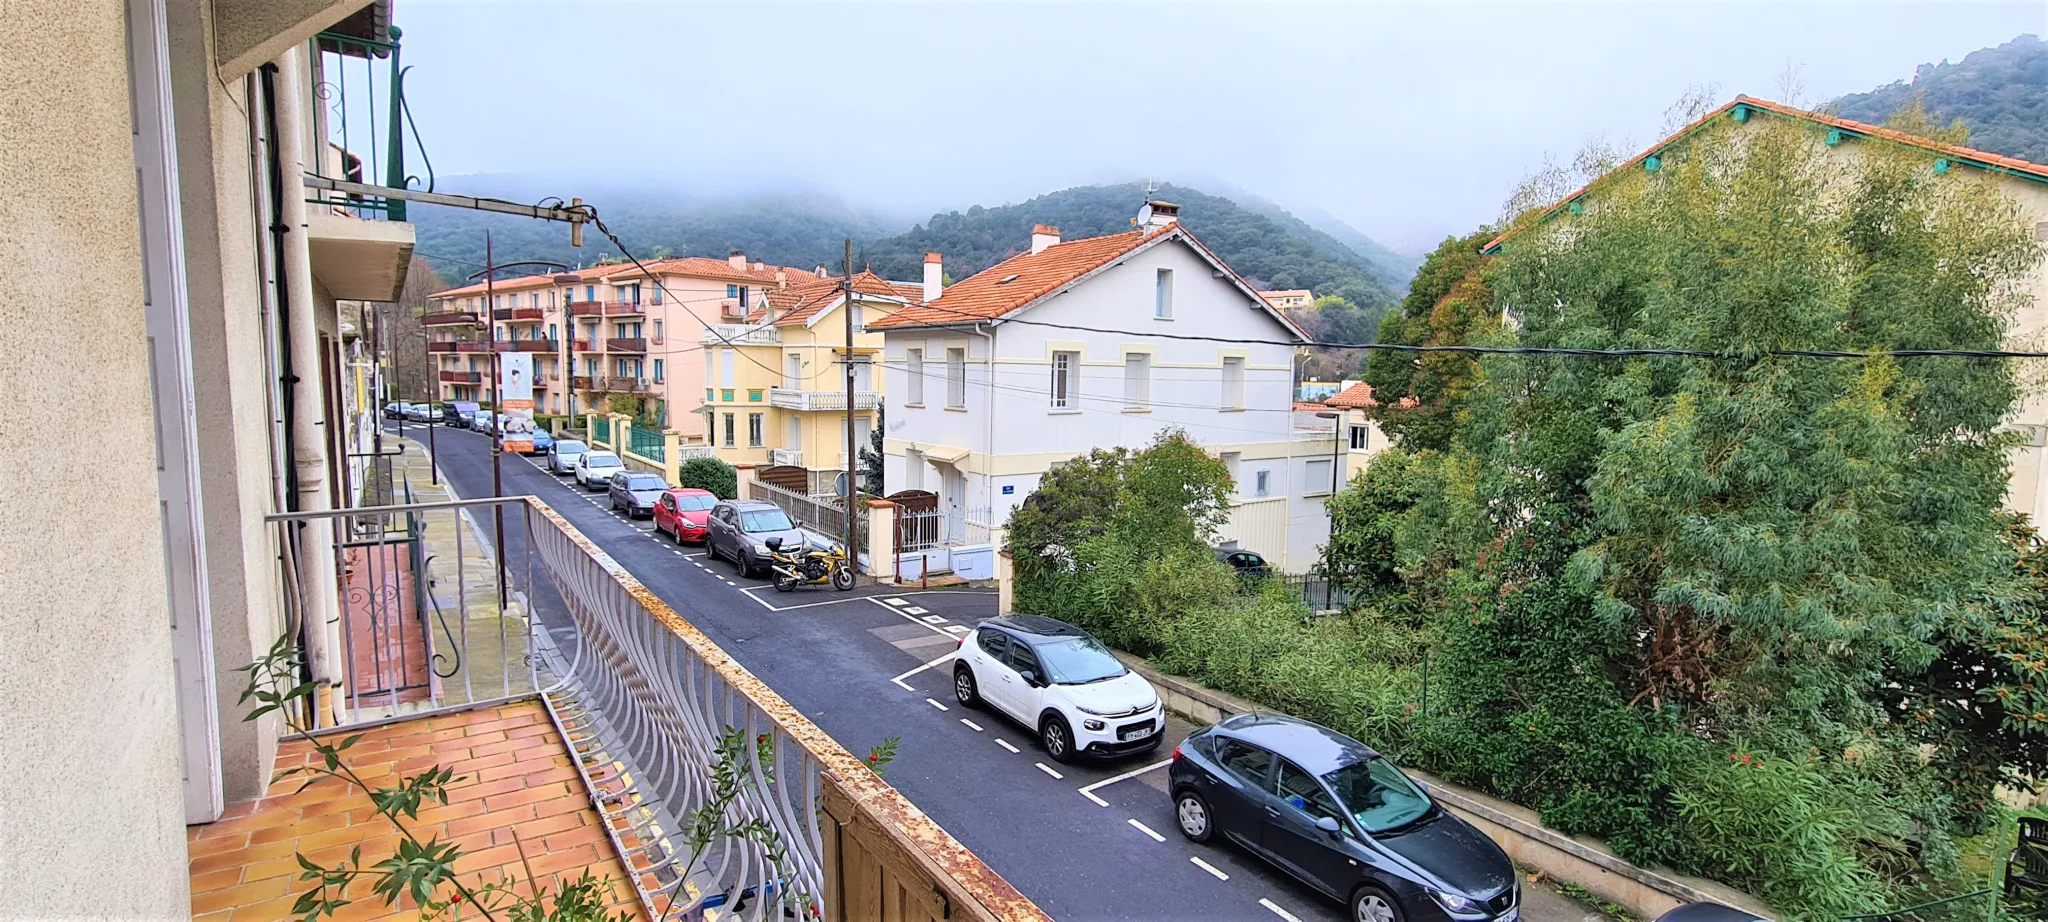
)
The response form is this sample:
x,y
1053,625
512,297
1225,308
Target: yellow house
x,y
775,390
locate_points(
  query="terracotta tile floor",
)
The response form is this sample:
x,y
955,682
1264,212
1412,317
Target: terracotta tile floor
x,y
515,777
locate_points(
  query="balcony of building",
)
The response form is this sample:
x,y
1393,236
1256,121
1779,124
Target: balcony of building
x,y
790,399
462,377
527,345
583,345
786,456
584,382
528,314
740,334
449,318
619,384
626,344
442,345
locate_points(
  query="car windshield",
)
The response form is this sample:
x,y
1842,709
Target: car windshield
x,y
1378,795
602,459
1078,661
694,502
568,447
765,520
646,483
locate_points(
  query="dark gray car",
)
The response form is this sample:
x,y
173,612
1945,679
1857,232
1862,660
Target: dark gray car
x,y
636,492
740,531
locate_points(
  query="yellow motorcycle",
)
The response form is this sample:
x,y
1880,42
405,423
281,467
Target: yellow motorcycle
x,y
809,566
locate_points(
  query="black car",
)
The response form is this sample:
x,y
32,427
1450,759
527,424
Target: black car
x,y
1247,564
1342,818
1708,912
636,492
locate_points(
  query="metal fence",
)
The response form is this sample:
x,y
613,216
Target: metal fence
x,y
823,515
1320,594
601,431
647,443
369,124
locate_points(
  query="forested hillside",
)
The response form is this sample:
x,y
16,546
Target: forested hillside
x,y
1276,252
2000,93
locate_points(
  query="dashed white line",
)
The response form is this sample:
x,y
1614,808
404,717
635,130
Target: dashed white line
x,y
1206,866
956,629
971,725
930,619
1048,770
897,601
1282,913
917,611
1133,773
1141,827
934,702
1005,744
1091,796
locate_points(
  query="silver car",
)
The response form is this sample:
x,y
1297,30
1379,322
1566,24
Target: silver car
x,y
740,531
562,456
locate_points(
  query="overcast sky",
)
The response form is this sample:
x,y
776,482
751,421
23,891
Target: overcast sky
x,y
1409,121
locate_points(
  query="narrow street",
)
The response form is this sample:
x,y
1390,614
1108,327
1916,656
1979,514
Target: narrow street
x,y
1085,841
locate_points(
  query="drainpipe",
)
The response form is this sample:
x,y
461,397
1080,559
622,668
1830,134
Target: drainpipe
x,y
988,379
318,580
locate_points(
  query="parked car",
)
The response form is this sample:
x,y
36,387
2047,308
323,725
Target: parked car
x,y
1709,912
636,492
1246,563
419,412
1063,683
480,421
1344,819
562,456
394,410
739,531
685,513
594,469
541,441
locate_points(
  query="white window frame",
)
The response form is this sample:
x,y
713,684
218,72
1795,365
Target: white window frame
x,y
729,430
1137,381
757,430
1361,438
956,378
1162,295
1316,476
1063,392
1262,480
913,366
1233,382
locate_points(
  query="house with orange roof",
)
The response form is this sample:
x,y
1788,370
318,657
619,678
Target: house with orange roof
x,y
2023,183
1074,345
775,388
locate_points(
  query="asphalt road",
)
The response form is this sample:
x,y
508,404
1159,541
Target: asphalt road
x,y
1085,841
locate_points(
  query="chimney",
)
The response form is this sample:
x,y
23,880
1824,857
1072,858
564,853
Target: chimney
x,y
822,272
1156,215
738,260
934,277
1042,236
781,278
757,265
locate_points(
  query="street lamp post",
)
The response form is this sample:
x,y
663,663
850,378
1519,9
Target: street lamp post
x,y
1336,446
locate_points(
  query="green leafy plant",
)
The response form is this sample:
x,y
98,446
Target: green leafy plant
x,y
879,757
710,474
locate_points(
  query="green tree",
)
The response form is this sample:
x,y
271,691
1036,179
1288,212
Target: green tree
x,y
1449,302
710,474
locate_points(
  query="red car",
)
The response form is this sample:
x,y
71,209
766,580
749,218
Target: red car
x,y
683,512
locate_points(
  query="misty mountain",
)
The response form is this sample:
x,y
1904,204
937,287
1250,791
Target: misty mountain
x,y
1331,234
2001,93
1273,250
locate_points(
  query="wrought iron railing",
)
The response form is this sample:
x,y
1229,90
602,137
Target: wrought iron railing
x,y
368,122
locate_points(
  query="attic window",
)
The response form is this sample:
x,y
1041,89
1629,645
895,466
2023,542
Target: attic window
x,y
1007,279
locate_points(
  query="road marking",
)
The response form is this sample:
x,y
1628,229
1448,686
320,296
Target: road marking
x,y
1141,827
906,686
1282,913
930,619
971,724
913,620
1088,791
729,582
934,702
917,611
1048,770
956,630
1206,866
1005,744
897,601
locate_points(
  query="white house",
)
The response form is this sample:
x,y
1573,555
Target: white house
x,y
1102,342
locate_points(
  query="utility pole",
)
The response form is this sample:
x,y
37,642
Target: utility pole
x,y
497,423
852,455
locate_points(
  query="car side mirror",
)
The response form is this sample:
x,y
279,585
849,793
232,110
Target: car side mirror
x,y
1328,824
1030,677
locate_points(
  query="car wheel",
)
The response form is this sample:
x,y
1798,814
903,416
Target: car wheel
x,y
678,534
1058,738
1191,814
1372,904
744,562
964,689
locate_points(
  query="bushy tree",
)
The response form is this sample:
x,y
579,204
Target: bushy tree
x,y
1449,302
710,474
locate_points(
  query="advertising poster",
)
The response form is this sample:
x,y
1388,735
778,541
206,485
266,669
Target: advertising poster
x,y
515,400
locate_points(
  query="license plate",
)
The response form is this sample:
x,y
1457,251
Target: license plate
x,y
1137,731
1512,915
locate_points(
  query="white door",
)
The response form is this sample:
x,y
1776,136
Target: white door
x,y
863,374
794,438
953,490
793,372
167,325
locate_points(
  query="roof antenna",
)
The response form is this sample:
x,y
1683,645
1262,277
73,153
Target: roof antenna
x,y
1151,186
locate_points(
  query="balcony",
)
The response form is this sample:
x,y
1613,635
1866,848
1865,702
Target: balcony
x,y
583,382
583,345
586,309
740,334
624,308
526,345
446,346
821,400
567,763
630,344
472,346
516,313
449,318
622,385
786,456
462,377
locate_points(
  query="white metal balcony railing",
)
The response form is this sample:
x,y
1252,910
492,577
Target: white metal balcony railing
x,y
694,450
740,334
821,400
644,699
786,456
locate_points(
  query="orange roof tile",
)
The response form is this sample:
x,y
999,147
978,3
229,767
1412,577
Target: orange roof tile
x,y
1356,397
1979,158
524,282
802,303
704,267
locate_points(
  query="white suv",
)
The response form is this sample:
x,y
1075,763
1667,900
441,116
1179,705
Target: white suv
x,y
594,469
1061,681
